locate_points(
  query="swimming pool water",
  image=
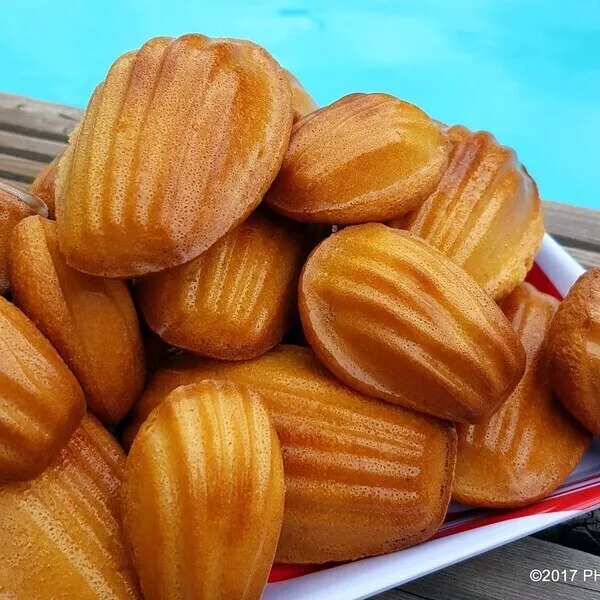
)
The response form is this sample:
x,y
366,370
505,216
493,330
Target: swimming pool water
x,y
528,71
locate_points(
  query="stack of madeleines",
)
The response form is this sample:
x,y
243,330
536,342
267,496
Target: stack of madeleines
x,y
337,337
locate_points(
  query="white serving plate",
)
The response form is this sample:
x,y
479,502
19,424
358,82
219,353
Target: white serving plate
x,y
466,532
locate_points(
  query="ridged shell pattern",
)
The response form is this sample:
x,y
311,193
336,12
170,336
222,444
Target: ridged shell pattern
x,y
60,535
177,146
203,495
91,321
43,185
302,102
397,320
574,348
41,403
15,204
485,214
366,157
237,299
530,446
362,477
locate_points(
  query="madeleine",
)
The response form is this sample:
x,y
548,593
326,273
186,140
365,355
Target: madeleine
x,y
529,447
43,186
302,102
60,534
15,205
362,477
574,347
397,320
203,495
41,402
366,157
485,213
177,146
237,299
91,321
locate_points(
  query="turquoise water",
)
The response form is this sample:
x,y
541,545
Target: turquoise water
x,y
527,71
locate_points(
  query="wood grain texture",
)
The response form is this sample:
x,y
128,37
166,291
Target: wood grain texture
x,y
573,226
36,118
503,574
34,148
18,168
586,258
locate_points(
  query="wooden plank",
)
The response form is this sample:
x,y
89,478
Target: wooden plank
x,y
36,118
586,258
503,574
573,226
19,168
34,148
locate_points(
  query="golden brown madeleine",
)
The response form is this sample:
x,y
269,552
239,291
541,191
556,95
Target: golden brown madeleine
x,y
15,204
362,477
177,146
60,534
43,185
397,320
574,351
237,299
485,214
302,102
41,403
528,448
203,495
91,321
366,157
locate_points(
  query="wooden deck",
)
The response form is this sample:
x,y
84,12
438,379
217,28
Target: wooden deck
x,y
33,132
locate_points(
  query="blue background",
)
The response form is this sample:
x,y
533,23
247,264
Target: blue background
x,y
527,71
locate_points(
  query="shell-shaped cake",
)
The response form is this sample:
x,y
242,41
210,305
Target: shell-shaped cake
x,y
91,321
366,157
43,185
203,495
302,102
15,205
177,146
41,403
237,299
362,477
60,534
574,349
528,448
485,213
397,320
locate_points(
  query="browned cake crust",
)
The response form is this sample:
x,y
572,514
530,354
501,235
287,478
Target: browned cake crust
x,y
43,185
41,403
574,345
362,477
397,320
177,146
15,205
366,157
302,102
203,495
485,213
237,299
528,448
60,534
91,321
